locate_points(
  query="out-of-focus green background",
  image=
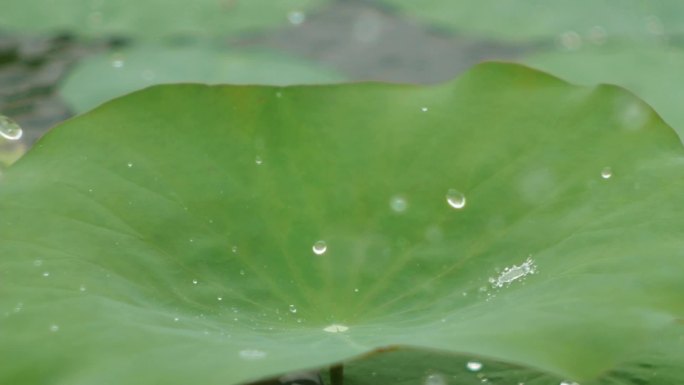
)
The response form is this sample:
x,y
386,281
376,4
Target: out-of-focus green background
x,y
61,58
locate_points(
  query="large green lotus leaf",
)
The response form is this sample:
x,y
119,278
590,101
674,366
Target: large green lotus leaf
x,y
652,72
176,235
101,78
150,18
513,20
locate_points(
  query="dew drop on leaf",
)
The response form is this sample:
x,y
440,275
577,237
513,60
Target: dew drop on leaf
x,y
296,17
455,199
252,354
398,204
424,109
320,247
54,328
293,309
9,129
258,161
129,164
474,366
606,173
336,328
435,379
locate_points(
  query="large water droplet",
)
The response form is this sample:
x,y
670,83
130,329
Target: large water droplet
x,y
320,247
252,354
514,272
296,17
336,328
606,173
474,366
398,204
9,129
435,379
455,199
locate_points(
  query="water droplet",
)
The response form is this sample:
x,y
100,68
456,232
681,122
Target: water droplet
x,y
38,263
194,282
356,290
424,109
293,309
54,328
191,240
336,328
398,204
435,379
129,164
568,383
9,129
18,307
258,161
570,40
320,247
234,249
474,366
82,288
46,274
242,272
176,319
456,199
606,173
118,63
514,272
296,17
252,354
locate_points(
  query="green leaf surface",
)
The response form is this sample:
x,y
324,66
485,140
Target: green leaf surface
x,y
104,77
512,20
652,72
150,18
172,235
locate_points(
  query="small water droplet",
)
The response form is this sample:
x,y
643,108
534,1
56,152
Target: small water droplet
x,y
258,161
252,354
606,173
129,164
356,290
176,319
570,40
194,282
320,247
456,199
568,383
398,204
118,63
82,288
46,274
296,17
424,109
474,366
435,379
242,272
38,263
54,328
219,298
234,249
514,272
9,129
293,309
336,328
